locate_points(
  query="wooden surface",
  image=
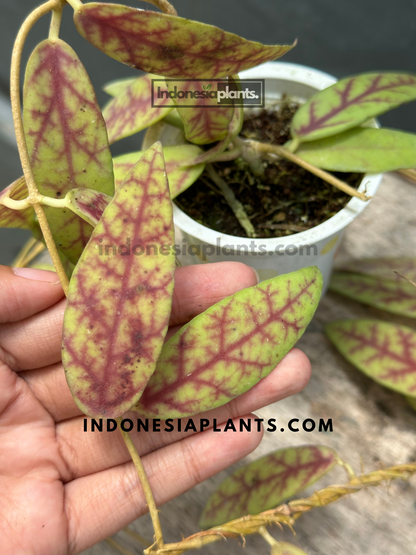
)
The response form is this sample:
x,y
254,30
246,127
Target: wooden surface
x,y
373,426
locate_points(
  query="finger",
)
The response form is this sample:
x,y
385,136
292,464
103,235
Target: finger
x,y
87,453
26,291
102,504
199,286
36,341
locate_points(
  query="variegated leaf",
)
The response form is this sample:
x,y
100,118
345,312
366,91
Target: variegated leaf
x,y
267,482
88,204
180,175
384,268
285,548
363,150
351,102
114,88
398,297
132,111
120,294
66,137
230,347
205,121
383,351
23,219
169,45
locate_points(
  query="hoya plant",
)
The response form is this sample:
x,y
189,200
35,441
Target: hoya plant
x,y
86,206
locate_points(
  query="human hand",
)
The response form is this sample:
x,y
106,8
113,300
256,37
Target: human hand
x,y
63,490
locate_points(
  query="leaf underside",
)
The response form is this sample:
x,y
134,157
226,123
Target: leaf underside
x,y
66,138
229,348
351,102
398,297
267,482
23,219
168,45
383,351
363,150
119,300
131,110
180,175
88,204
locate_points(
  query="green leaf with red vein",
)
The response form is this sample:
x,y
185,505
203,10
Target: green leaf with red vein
x,y
119,302
351,102
267,482
88,204
114,88
285,548
362,150
23,219
398,297
384,268
383,351
131,111
66,138
180,174
205,121
169,45
229,348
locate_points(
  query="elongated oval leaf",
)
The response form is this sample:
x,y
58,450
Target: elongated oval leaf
x,y
385,352
226,350
384,268
362,150
23,219
351,102
169,45
88,204
120,295
66,137
205,121
285,548
132,110
114,88
398,297
180,175
267,482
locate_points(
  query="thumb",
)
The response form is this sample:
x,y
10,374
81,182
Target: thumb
x,y
26,291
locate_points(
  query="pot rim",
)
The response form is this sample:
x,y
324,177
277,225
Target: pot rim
x,y
370,183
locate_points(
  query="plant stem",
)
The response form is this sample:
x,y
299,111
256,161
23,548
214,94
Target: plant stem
x,y
410,175
20,135
75,4
117,546
287,513
164,6
137,536
285,153
23,253
150,500
56,22
37,249
233,203
267,536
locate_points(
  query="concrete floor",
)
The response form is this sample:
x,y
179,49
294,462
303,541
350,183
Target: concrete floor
x,y
373,427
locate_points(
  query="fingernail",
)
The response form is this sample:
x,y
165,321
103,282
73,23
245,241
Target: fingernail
x,y
34,273
257,275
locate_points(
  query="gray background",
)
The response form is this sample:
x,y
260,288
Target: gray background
x,y
341,37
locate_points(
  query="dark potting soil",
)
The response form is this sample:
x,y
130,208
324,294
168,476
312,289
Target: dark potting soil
x,y
286,200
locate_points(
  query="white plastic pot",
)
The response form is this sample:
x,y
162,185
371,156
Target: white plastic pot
x,y
280,255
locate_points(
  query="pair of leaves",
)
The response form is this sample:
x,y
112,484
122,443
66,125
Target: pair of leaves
x,y
267,482
230,347
168,45
392,295
66,138
383,351
120,296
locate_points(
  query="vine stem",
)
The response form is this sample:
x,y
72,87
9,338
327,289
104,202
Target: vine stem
x,y
20,134
150,500
164,6
117,546
267,536
56,22
285,153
